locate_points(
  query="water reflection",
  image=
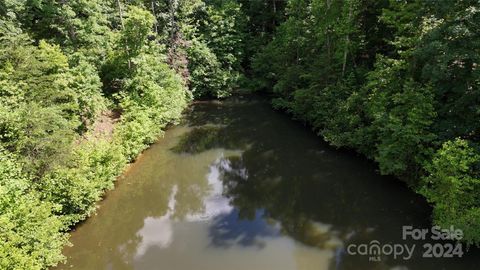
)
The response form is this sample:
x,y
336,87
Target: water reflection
x,y
214,203
157,231
229,230
241,187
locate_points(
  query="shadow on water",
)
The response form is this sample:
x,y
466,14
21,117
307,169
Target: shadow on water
x,y
322,197
206,137
239,186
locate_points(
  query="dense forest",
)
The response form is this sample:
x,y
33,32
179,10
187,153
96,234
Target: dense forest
x,y
397,81
87,85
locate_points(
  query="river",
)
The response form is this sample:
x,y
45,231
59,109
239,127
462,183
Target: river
x,y
239,186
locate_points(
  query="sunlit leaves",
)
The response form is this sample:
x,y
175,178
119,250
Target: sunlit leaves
x,y
453,186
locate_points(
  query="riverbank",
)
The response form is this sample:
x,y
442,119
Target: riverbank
x,y
223,190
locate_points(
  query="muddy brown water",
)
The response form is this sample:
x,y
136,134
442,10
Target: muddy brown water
x,y
239,186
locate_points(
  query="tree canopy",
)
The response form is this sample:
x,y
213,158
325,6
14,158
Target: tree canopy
x,y
85,86
397,81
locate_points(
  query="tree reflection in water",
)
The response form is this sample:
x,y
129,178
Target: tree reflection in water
x,y
243,186
231,229
319,196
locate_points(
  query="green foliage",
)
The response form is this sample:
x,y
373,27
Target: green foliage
x,y
45,100
30,235
137,27
206,75
361,73
215,48
393,80
39,135
86,29
91,169
452,184
447,57
60,148
153,97
222,30
153,94
402,113
86,83
79,26
41,73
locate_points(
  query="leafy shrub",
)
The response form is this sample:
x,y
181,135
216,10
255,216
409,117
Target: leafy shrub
x,y
52,169
86,83
392,80
452,185
92,168
31,235
206,75
153,97
215,48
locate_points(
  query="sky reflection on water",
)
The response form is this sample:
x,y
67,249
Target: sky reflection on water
x,y
238,186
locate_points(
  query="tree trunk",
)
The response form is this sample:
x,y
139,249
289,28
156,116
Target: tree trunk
x,y
173,23
155,15
119,5
274,13
347,43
